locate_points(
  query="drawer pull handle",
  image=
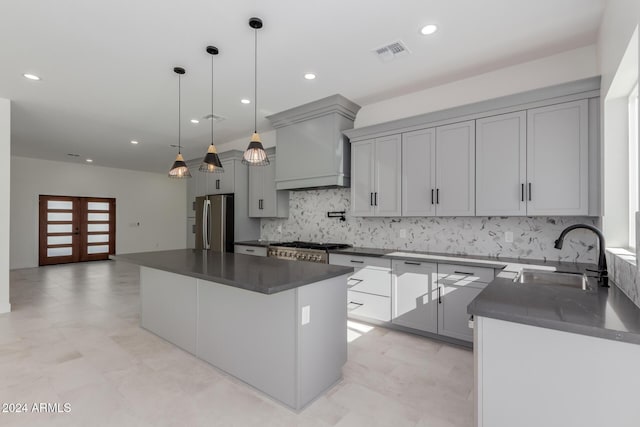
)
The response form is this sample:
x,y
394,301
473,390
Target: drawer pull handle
x,y
463,272
249,250
412,263
353,282
357,262
355,303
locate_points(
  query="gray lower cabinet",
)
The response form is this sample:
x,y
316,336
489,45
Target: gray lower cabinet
x,y
191,233
457,286
414,295
251,250
369,287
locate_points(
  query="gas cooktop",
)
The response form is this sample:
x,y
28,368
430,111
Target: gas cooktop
x,y
304,251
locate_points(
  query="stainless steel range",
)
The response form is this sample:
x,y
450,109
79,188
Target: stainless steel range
x,y
304,251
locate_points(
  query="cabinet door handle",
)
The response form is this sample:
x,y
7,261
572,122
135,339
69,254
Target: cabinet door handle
x,y
439,296
522,192
463,272
370,199
217,184
432,196
437,196
193,206
193,228
529,191
412,263
375,199
357,262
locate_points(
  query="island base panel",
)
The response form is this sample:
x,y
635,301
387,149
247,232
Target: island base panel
x,y
168,306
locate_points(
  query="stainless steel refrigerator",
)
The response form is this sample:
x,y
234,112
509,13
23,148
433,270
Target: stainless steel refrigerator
x,y
214,223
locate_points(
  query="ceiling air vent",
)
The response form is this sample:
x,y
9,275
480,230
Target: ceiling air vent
x,y
391,51
215,117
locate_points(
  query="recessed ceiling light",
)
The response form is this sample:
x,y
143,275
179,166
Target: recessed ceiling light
x,y
31,76
195,121
245,101
134,142
429,29
309,76
89,160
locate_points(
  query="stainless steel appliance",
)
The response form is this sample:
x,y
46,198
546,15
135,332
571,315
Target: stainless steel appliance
x,y
304,251
214,223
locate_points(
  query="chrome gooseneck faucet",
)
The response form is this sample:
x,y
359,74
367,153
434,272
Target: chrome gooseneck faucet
x,y
603,275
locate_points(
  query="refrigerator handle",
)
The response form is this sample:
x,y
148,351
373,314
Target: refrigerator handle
x,y
208,236
205,224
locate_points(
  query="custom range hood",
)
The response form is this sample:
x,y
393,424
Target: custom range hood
x,y
312,151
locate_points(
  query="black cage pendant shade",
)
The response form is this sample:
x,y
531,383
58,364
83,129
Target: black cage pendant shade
x,y
179,168
255,155
211,162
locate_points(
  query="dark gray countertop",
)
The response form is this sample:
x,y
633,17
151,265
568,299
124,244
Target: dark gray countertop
x,y
259,243
604,313
259,274
472,260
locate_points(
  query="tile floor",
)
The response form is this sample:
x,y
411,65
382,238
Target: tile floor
x,y
73,336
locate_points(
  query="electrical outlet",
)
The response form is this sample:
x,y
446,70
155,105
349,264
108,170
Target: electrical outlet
x,y
403,233
306,314
280,229
508,236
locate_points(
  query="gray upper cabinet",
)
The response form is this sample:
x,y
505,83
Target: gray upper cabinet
x,y
221,183
501,165
455,169
264,200
414,295
362,177
438,171
419,173
558,159
376,179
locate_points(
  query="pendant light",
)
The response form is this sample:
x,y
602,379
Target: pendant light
x,y
255,154
179,168
211,162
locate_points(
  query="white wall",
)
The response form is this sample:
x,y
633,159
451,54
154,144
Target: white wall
x,y
5,191
619,21
556,69
153,200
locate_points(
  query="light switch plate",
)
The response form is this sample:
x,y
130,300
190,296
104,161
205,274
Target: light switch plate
x,y
306,314
508,236
403,233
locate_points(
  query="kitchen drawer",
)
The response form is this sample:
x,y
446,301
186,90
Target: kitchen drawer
x,y
371,306
371,280
465,273
251,250
359,261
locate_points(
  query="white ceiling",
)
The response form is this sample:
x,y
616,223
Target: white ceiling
x,y
106,66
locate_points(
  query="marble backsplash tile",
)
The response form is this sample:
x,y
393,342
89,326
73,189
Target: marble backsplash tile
x,y
533,237
623,271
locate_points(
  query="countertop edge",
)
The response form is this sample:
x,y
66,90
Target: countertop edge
x,y
562,326
216,279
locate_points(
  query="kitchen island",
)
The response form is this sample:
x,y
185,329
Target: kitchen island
x,y
277,325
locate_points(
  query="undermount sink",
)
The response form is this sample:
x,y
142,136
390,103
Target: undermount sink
x,y
537,277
